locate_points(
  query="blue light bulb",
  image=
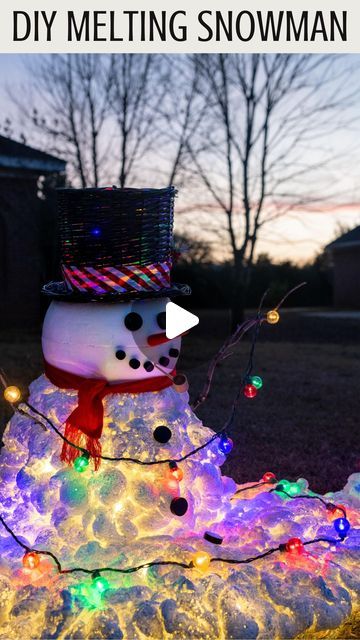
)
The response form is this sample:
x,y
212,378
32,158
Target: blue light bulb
x,y
225,445
342,526
96,231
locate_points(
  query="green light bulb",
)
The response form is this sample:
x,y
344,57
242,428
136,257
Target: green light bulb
x,y
81,463
294,489
100,583
257,382
282,488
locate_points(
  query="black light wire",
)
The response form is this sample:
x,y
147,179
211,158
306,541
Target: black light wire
x,y
154,563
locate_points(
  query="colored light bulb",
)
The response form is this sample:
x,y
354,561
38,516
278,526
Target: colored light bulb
x,y
342,526
177,473
100,583
201,561
339,511
96,231
273,316
225,445
81,463
31,560
256,381
293,489
294,546
12,394
283,485
269,477
250,391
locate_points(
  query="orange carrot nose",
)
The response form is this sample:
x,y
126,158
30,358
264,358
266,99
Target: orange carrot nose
x,y
157,338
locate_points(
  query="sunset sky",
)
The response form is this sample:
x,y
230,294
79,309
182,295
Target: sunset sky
x,y
298,236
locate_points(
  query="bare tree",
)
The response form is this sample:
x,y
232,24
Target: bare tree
x,y
65,109
182,110
251,152
139,87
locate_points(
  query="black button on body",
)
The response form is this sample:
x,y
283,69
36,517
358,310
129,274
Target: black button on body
x,y
213,537
162,434
134,363
120,354
173,353
164,361
179,506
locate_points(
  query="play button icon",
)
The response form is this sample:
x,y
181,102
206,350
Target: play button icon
x,y
178,320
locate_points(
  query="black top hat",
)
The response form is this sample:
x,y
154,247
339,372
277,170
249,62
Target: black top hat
x,y
115,244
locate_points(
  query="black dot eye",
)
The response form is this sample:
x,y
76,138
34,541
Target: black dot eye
x,y
120,354
133,321
134,363
173,353
161,320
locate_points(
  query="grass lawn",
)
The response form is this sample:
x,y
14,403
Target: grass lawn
x,y
304,421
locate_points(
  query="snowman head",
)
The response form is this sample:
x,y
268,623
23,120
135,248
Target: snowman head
x,y
115,342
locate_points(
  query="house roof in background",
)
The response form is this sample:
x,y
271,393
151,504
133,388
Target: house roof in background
x,y
16,155
348,239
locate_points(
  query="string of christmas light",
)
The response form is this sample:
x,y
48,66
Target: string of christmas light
x,y
342,524
200,560
268,478
84,452
272,317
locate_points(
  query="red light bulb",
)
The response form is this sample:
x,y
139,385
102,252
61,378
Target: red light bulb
x,y
31,560
295,546
269,477
250,391
177,474
340,511
175,471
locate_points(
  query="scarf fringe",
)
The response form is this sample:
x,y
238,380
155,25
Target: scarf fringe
x,y
78,438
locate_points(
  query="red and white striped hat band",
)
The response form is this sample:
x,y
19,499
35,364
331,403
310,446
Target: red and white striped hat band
x,y
123,279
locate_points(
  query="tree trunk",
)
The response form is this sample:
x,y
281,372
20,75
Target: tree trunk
x,y
238,297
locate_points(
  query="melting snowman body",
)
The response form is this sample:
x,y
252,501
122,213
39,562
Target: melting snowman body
x,y
116,342
123,516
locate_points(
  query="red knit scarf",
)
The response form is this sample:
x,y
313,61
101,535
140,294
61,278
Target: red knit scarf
x,y
84,425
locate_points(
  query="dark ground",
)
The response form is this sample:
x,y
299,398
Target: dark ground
x,y
304,421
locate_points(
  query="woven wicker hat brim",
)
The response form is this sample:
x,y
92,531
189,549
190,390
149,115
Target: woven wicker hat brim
x,y
59,291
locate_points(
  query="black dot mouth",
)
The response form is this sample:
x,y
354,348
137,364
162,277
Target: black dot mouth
x,y
120,354
173,353
134,363
164,361
148,366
